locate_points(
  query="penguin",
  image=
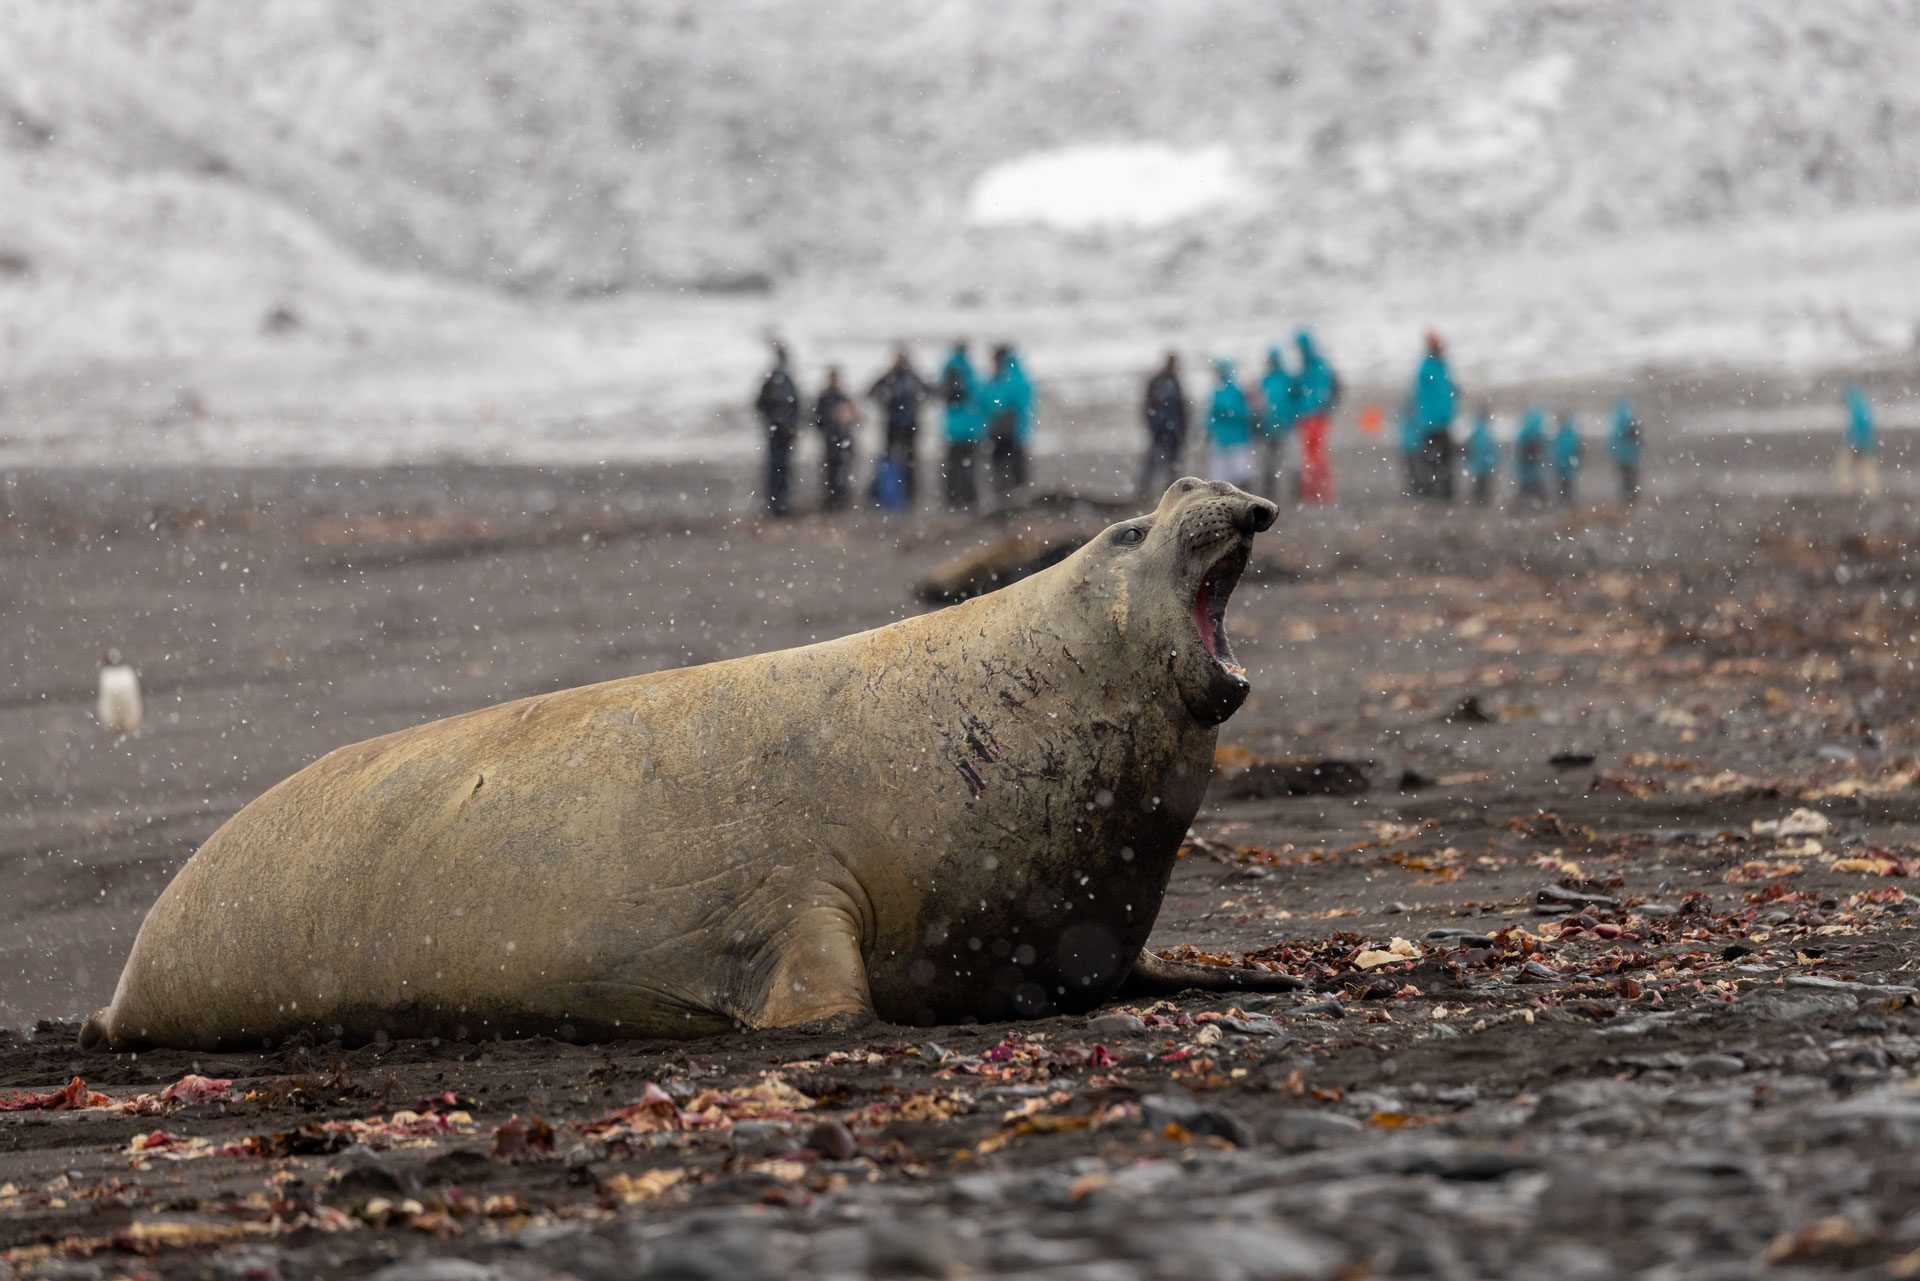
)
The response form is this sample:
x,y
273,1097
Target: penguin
x,y
118,705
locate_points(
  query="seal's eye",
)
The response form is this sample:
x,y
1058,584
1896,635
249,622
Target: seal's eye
x,y
1131,536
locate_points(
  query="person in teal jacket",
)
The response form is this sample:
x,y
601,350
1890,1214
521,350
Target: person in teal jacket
x,y
1315,387
1007,404
1483,457
1434,401
1022,395
1859,463
1277,416
1530,450
959,391
1624,444
1566,458
1229,429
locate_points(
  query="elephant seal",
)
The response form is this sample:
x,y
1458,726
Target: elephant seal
x,y
967,815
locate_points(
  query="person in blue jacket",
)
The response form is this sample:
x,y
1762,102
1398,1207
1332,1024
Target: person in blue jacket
x,y
1530,450
1007,401
1435,400
959,392
1276,422
1624,444
1859,461
1229,429
1316,391
1483,457
1566,458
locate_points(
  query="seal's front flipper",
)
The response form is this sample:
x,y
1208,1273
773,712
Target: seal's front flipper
x,y
813,977
1155,975
94,1036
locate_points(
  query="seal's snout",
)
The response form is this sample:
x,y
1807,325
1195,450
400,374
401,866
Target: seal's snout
x,y
1214,504
1216,524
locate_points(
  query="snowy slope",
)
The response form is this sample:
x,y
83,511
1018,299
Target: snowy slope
x,y
1569,185
603,144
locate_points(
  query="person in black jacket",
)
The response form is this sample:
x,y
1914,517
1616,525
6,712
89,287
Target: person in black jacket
x,y
779,408
1165,409
900,392
834,417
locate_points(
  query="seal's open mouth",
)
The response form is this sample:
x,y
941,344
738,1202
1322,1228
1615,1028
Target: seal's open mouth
x,y
1210,607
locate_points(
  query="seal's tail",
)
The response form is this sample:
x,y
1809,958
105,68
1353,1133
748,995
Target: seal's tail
x,y
94,1035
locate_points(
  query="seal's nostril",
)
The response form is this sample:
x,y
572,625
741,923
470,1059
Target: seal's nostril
x,y
1256,514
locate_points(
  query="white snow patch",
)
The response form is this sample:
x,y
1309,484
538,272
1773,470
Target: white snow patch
x,y
1119,184
1481,133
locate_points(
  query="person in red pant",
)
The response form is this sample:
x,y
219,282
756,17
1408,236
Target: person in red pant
x,y
1316,390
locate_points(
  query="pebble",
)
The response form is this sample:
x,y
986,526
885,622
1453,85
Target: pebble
x,y
1304,1128
1872,1057
67,1270
1610,1122
1116,1025
1459,937
1015,1251
1254,1025
444,1269
760,1137
1561,894
1535,970
235,1265
1886,1114
1784,1006
710,1249
360,1173
1711,1065
1265,1250
833,1140
1571,1098
1158,1111
923,1249
1332,1009
1822,983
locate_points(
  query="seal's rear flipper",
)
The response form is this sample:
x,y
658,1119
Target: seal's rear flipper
x,y
1155,975
812,976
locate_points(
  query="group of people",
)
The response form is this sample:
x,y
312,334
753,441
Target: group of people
x,y
1546,463
1248,436
988,423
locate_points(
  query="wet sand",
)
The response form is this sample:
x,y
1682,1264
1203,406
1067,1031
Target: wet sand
x,y
1623,1027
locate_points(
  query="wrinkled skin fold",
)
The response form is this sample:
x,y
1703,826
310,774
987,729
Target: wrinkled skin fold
x,y
967,815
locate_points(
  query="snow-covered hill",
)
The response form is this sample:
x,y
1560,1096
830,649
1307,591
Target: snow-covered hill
x,y
185,177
